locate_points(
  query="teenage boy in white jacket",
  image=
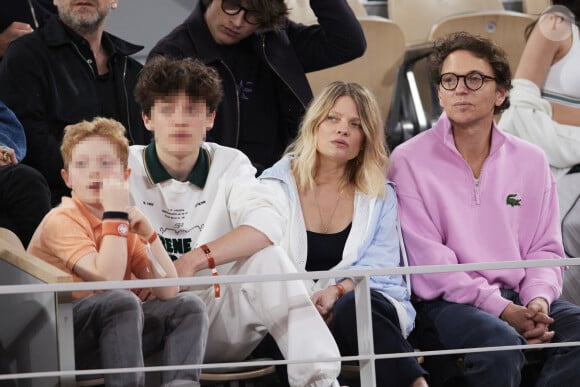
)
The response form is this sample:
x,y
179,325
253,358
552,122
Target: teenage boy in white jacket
x,y
211,213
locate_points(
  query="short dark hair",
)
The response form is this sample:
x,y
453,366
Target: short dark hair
x,y
480,47
162,76
274,12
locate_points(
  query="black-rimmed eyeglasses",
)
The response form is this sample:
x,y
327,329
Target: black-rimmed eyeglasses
x,y
473,81
233,7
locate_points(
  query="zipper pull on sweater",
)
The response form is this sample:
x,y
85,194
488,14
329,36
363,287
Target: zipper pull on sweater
x,y
476,191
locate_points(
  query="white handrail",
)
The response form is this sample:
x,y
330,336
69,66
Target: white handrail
x,y
241,278
366,355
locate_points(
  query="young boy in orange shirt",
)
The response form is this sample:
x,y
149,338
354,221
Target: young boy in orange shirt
x,y
97,236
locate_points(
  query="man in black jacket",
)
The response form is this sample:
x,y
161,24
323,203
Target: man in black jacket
x,y
262,58
67,71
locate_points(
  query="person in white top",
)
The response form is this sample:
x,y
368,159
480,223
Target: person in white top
x,y
210,212
545,99
545,110
341,213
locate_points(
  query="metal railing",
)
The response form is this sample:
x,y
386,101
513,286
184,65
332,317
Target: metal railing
x,y
366,357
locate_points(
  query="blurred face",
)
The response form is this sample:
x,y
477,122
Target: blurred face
x,y
93,160
179,123
226,28
340,135
463,105
84,16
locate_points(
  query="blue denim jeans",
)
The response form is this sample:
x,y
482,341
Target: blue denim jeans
x,y
465,326
562,365
114,329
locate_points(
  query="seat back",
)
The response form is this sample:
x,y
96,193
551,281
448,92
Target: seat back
x,y
31,322
10,238
301,12
416,17
12,251
357,7
376,69
237,374
505,28
535,7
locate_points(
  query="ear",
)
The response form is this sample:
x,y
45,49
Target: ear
x,y
127,173
500,95
146,121
209,121
65,177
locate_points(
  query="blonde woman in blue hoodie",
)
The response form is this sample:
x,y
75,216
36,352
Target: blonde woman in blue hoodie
x,y
342,214
470,193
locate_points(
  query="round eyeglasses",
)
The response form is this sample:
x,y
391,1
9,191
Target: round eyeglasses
x,y
233,7
473,81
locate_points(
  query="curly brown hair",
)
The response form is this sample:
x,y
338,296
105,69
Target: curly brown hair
x,y
480,47
274,12
162,76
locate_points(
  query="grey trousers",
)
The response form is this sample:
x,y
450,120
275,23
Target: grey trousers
x,y
114,329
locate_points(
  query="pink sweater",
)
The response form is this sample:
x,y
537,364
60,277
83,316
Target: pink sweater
x,y
512,214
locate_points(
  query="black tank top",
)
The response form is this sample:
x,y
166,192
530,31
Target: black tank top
x,y
325,250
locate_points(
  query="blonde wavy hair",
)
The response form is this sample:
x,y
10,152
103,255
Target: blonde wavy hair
x,y
107,128
367,172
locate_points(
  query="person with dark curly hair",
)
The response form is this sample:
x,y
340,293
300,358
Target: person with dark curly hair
x,y
470,193
214,218
262,58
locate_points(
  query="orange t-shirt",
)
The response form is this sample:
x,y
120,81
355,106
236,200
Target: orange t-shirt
x,y
69,232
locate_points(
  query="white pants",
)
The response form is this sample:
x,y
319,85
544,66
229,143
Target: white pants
x,y
244,313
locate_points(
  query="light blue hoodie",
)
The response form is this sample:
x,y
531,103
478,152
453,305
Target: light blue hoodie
x,y
373,242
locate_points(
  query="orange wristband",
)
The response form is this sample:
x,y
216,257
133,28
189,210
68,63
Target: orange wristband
x,y
341,289
116,227
152,238
211,265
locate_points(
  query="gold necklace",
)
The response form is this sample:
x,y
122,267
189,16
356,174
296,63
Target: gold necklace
x,y
325,226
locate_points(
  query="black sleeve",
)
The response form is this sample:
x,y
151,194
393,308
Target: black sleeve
x,y
337,38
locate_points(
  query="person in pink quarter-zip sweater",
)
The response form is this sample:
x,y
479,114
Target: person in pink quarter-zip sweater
x,y
470,193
